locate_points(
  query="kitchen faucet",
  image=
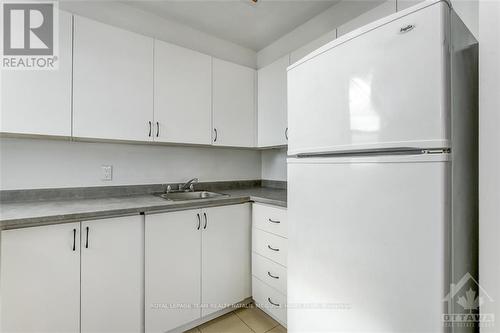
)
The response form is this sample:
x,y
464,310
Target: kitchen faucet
x,y
188,185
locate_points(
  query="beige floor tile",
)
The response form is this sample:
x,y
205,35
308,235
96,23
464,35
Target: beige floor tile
x,y
229,323
278,329
256,319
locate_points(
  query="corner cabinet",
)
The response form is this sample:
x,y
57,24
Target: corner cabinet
x,y
272,105
73,277
197,263
112,83
183,95
234,104
39,102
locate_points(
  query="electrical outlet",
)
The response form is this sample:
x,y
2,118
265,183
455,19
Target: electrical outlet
x,y
106,172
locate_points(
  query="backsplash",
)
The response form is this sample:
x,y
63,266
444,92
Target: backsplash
x,y
36,164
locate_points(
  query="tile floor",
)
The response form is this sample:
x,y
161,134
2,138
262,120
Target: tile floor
x,y
244,320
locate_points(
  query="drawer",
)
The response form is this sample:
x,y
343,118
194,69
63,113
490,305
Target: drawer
x,y
269,272
270,246
270,219
266,297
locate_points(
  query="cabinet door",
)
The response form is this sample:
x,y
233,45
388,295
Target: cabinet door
x,y
386,88
112,275
39,102
272,117
226,258
183,95
113,82
233,104
40,279
173,257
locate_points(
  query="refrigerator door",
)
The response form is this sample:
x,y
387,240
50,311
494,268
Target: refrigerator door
x,y
383,87
367,244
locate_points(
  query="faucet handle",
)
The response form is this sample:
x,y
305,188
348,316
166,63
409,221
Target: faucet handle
x,y
191,187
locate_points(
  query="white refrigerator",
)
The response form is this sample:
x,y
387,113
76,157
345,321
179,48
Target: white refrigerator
x,y
382,175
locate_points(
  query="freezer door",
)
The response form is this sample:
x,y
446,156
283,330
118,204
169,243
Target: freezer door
x,y
382,89
367,245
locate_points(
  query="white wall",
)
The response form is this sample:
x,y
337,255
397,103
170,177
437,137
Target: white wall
x,y
320,27
28,164
274,164
148,24
489,157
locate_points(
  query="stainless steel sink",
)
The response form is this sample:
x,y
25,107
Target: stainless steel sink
x,y
192,195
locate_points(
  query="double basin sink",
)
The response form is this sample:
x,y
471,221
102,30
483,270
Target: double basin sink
x,y
190,195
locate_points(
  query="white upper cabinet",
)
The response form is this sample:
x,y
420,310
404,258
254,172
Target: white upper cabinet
x,y
112,83
183,95
385,88
272,117
112,275
39,102
234,117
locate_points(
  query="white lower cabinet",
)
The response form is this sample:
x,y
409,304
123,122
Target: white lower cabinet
x,y
112,275
172,269
50,282
40,279
197,262
269,260
226,259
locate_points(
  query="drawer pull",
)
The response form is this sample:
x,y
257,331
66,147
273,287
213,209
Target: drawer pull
x,y
274,221
269,300
272,248
274,277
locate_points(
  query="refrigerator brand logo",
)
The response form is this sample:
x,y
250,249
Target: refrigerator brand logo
x,y
464,300
29,35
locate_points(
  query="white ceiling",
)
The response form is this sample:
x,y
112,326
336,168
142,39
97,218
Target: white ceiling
x,y
240,21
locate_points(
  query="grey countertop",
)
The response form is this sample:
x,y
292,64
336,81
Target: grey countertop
x,y
25,214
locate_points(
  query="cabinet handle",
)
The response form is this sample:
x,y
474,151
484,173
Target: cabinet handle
x,y
149,128
87,238
199,221
205,217
286,133
274,277
269,300
74,239
215,131
272,248
274,221
157,129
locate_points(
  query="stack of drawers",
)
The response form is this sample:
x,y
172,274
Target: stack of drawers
x,y
269,254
